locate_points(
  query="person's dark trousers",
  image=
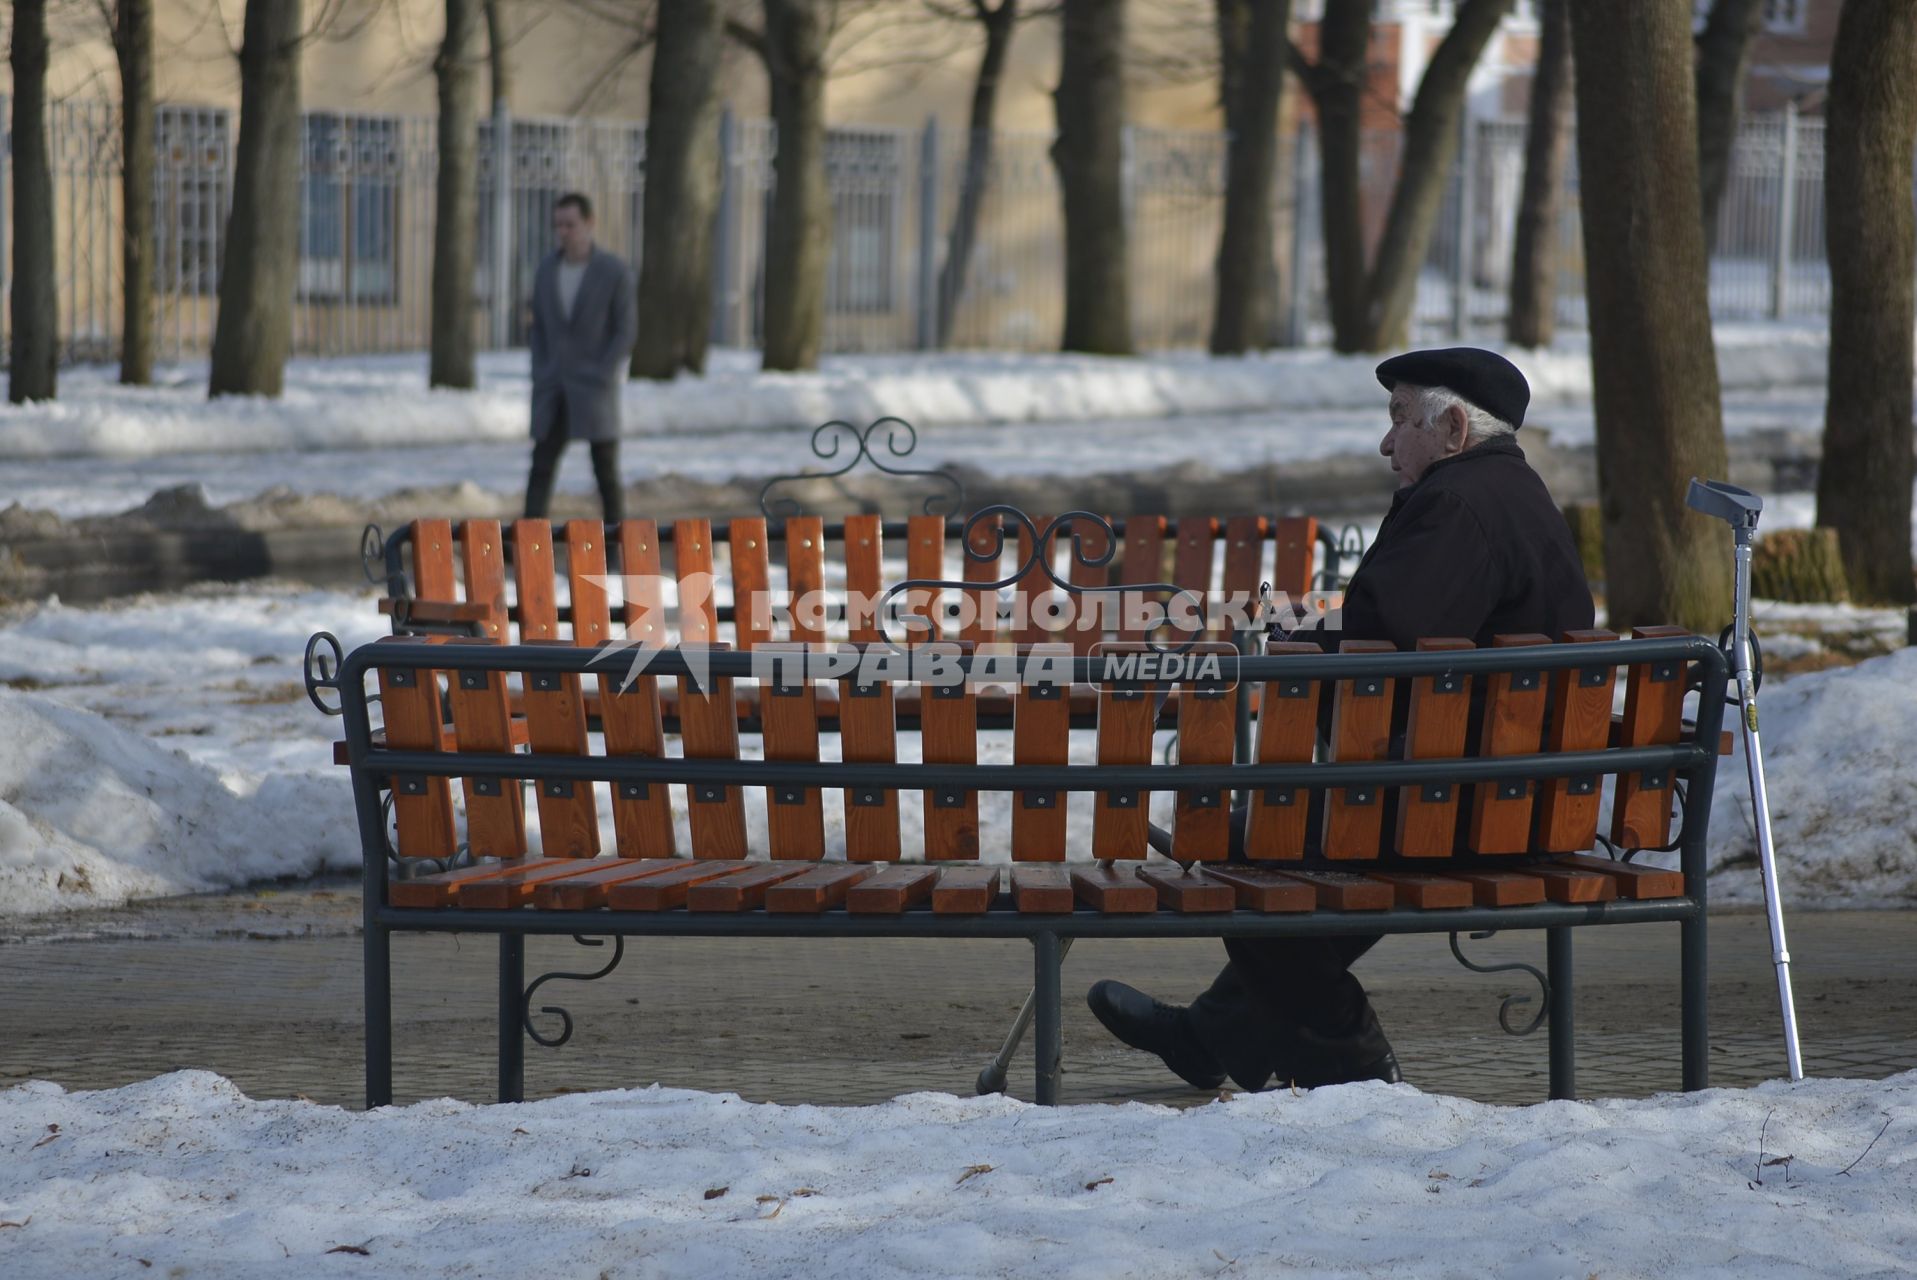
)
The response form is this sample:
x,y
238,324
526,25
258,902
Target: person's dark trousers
x,y
1268,983
545,468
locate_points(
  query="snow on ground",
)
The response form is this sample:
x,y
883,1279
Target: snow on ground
x,y
201,692
382,402
183,1175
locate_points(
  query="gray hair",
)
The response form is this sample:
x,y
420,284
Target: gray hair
x,y
1479,425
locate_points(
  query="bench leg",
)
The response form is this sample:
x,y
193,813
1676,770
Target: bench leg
x,y
378,966
512,1037
1047,1031
1557,949
1696,1005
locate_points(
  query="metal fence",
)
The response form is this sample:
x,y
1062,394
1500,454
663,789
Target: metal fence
x,y
367,208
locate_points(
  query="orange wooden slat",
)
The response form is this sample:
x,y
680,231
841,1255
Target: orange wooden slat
x,y
1425,892
1041,735
643,583
1244,566
751,579
483,722
692,564
533,580
742,890
1653,715
924,559
483,548
1581,702
709,729
965,890
868,735
1113,890
1207,729
630,720
890,890
1513,726
863,577
1188,892
1360,730
1287,734
1263,889
556,725
1633,881
588,889
805,577
1093,613
1503,888
586,582
1439,719
669,888
1191,565
980,624
422,806
1041,890
439,890
515,888
948,734
1142,562
1120,820
1295,551
795,815
811,892
433,560
1572,884
1029,593
1345,891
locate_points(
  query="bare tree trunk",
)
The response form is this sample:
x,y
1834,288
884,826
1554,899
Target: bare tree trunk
x,y
259,269
1532,317
682,191
1431,134
999,25
133,48
1089,154
497,62
1337,85
1284,219
456,211
1251,56
800,237
35,352
1723,64
1653,364
1864,482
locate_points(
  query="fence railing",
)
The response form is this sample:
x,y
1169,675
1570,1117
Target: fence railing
x,y
367,209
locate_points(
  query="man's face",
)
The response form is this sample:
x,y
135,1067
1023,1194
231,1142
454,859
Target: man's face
x,y
1413,444
571,231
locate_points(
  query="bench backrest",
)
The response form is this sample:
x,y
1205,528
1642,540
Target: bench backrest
x,y
687,581
1446,782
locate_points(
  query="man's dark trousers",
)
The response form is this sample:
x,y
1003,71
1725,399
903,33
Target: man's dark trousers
x,y
545,468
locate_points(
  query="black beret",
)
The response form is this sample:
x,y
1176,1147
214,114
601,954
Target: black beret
x,y
1485,378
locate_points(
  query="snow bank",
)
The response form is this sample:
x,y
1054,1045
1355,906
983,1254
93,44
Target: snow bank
x,y
92,814
184,1174
383,402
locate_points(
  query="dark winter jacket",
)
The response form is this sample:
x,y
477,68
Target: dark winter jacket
x,y
1475,549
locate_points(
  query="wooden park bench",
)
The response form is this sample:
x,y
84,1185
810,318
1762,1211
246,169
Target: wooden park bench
x,y
1440,825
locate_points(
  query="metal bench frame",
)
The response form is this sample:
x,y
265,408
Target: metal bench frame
x,y
1692,760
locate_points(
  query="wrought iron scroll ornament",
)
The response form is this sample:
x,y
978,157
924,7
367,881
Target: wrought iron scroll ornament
x,y
322,671
1347,544
1077,524
565,1018
832,439
1510,1002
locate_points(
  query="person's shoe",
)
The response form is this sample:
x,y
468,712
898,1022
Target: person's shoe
x,y
1363,1054
1155,1027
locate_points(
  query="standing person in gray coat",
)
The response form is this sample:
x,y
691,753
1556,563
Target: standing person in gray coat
x,y
583,326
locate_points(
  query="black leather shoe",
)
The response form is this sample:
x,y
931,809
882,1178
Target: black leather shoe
x,y
1363,1054
1155,1027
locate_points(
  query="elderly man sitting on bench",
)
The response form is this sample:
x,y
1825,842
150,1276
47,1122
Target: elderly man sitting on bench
x,y
1473,546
